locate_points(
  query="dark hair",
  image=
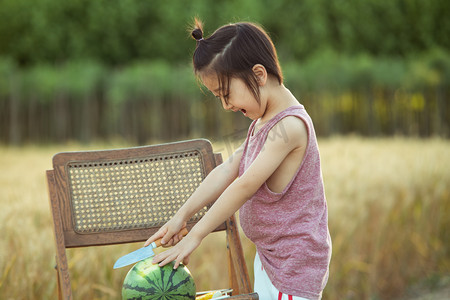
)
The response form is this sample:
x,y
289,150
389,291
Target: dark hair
x,y
232,51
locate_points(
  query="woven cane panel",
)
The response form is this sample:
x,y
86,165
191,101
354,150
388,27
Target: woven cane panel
x,y
135,193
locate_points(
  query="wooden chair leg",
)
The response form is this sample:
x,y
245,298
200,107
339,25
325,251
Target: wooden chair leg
x,y
239,278
62,268
64,285
232,281
59,291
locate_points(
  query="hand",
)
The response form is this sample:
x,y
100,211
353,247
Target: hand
x,y
169,233
180,253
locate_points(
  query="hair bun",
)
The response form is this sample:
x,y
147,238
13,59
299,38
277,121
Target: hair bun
x,y
197,34
197,31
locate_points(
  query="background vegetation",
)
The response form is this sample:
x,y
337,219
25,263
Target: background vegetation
x,y
88,70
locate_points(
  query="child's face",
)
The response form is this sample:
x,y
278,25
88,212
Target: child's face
x,y
240,98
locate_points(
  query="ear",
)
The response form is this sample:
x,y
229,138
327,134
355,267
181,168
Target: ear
x,y
261,74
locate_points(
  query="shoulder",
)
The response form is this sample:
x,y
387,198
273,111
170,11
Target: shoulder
x,y
289,131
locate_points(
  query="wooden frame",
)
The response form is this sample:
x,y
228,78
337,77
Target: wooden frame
x,y
61,195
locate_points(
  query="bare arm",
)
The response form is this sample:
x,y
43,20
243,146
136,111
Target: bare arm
x,y
213,186
208,191
240,190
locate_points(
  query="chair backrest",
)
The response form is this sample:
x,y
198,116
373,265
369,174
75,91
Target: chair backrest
x,y
125,195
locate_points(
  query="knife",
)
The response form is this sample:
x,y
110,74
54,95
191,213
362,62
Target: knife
x,y
141,253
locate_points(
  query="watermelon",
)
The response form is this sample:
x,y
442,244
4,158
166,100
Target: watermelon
x,y
148,281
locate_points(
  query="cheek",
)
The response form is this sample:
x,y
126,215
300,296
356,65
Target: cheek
x,y
242,95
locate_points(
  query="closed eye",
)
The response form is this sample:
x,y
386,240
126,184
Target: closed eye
x,y
217,94
222,97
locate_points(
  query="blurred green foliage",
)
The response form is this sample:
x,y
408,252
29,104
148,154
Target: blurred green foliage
x,y
121,31
102,69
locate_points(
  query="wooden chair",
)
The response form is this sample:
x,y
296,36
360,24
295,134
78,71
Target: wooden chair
x,y
125,195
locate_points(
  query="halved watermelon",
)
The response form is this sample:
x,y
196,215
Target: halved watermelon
x,y
148,281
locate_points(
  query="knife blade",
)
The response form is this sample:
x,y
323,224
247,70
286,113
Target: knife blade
x,y
142,253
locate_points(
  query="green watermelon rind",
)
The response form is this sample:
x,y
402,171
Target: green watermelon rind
x,y
155,282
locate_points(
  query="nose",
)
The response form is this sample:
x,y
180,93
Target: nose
x,y
226,106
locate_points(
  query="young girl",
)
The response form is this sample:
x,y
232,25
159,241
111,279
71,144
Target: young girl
x,y
274,179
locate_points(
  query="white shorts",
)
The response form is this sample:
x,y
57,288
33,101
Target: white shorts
x,y
264,287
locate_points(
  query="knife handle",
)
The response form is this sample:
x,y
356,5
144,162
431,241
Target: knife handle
x,y
183,231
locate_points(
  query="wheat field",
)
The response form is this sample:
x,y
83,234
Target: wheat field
x,y
388,199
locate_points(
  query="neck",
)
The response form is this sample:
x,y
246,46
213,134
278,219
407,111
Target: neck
x,y
278,98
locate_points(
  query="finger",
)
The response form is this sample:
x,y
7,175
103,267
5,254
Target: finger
x,y
155,259
176,239
168,237
159,234
160,257
168,244
186,260
166,261
177,262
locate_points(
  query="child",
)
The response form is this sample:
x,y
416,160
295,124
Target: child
x,y
274,179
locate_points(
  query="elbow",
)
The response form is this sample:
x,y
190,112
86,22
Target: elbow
x,y
245,188
226,173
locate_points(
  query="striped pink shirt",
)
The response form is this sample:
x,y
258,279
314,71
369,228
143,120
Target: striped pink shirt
x,y
289,229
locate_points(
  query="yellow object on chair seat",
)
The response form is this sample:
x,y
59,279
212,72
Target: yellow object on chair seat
x,y
213,294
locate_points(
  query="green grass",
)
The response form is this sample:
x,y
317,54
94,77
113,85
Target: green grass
x,y
388,205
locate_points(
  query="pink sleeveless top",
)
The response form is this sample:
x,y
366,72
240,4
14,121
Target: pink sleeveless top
x,y
289,229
